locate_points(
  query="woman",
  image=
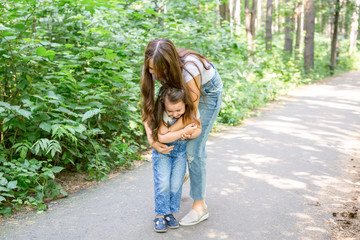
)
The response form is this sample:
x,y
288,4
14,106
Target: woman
x,y
192,72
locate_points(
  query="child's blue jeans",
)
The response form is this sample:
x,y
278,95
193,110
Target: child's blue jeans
x,y
169,171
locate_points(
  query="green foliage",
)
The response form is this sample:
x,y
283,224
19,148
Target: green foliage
x,y
70,72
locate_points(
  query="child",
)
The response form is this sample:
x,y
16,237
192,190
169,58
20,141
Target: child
x,y
169,169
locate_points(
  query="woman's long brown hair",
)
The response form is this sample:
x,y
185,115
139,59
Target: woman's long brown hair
x,y
173,95
168,65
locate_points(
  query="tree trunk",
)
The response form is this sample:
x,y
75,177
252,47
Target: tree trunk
x,y
276,22
236,16
279,15
217,12
347,18
269,16
309,26
354,27
323,20
248,24
253,18
289,28
334,37
224,11
159,7
250,17
260,13
331,19
299,13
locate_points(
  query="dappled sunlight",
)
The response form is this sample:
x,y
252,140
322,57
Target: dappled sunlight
x,y
259,159
311,198
276,181
308,148
324,180
288,119
227,191
301,173
301,216
316,229
213,234
331,104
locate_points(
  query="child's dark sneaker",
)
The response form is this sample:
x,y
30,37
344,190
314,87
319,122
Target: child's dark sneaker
x,y
160,225
171,221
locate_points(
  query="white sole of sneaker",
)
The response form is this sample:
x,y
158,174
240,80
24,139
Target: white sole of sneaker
x,y
174,227
160,231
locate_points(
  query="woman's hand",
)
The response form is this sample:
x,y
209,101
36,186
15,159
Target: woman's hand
x,y
162,148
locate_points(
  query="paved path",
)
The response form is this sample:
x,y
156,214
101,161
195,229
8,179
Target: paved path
x,y
272,178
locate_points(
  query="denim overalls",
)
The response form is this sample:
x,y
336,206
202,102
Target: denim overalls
x,y
169,171
195,148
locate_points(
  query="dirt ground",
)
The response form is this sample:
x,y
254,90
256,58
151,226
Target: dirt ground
x,y
345,220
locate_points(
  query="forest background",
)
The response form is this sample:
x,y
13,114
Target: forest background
x,y
70,74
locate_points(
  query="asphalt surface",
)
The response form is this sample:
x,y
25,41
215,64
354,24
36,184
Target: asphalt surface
x,y
275,177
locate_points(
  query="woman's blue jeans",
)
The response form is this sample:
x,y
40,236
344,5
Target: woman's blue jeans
x,y
195,148
169,171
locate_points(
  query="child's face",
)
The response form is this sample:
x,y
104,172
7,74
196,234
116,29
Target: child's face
x,y
174,109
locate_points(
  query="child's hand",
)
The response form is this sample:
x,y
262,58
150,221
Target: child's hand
x,y
190,129
185,136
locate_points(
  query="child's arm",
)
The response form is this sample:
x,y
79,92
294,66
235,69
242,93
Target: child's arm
x,y
167,136
197,131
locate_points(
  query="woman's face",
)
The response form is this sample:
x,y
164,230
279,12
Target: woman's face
x,y
175,110
151,66
152,71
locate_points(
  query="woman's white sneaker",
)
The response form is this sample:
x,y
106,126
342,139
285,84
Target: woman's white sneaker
x,y
193,217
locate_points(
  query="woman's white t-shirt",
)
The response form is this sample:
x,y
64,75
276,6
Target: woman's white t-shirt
x,y
206,75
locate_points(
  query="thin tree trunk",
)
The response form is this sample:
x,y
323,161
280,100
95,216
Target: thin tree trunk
x,y
236,14
231,17
354,27
253,18
248,24
250,17
309,26
289,29
347,18
334,37
323,18
342,18
279,15
217,12
276,22
224,11
260,13
159,7
331,19
269,17
299,13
